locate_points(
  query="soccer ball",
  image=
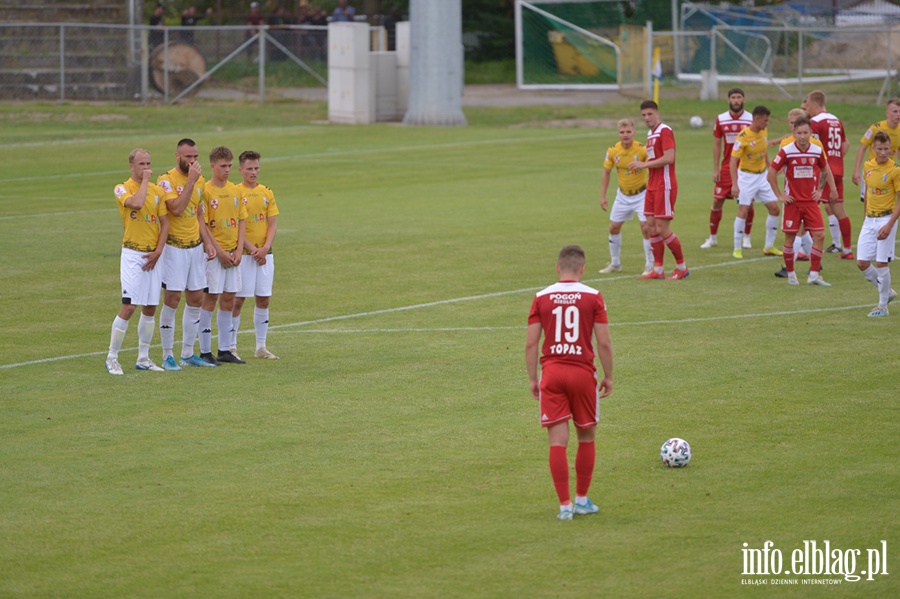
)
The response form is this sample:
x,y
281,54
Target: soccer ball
x,y
696,122
675,453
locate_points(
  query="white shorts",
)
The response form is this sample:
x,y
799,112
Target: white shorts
x,y
184,268
139,287
626,207
257,280
220,279
754,186
869,247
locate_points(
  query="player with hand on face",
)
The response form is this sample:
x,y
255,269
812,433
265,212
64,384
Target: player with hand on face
x,y
728,125
805,172
630,193
569,314
146,223
226,217
878,235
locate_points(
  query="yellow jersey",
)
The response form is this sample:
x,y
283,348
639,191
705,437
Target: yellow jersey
x,y
222,211
631,182
184,230
260,204
750,150
141,226
874,128
882,185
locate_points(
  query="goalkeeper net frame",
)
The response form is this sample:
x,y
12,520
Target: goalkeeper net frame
x,y
554,51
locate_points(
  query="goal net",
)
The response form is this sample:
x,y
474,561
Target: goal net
x,y
578,44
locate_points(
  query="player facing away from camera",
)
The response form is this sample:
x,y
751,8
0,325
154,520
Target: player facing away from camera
x,y
662,191
184,258
749,162
891,126
728,125
226,217
630,193
879,230
829,130
569,314
806,172
258,265
145,219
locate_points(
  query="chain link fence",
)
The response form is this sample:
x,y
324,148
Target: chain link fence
x,y
74,61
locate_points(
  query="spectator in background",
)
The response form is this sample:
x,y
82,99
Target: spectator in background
x,y
158,20
253,20
278,22
343,12
190,18
390,26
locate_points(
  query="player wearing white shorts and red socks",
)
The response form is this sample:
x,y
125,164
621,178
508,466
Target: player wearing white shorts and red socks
x,y
806,172
226,218
630,193
728,125
146,224
662,192
569,314
258,265
879,231
184,258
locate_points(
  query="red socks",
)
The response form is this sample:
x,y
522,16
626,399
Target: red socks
x,y
584,467
559,470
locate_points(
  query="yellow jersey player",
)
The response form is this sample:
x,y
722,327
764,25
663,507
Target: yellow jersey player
x,y
144,217
749,164
891,127
258,266
879,230
184,259
632,187
226,217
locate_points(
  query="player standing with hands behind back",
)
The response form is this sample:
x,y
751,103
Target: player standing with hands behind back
x,y
569,313
662,191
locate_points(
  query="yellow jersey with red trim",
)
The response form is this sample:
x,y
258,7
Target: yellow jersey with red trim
x,y
222,212
874,128
141,226
260,204
750,150
882,185
631,182
184,230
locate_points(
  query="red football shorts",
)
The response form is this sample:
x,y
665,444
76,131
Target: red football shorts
x,y
722,190
839,183
660,203
569,392
807,212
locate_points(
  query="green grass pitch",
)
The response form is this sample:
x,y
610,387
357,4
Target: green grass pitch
x,y
395,451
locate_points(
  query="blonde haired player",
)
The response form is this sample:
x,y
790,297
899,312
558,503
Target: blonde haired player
x,y
891,127
630,192
146,224
879,230
749,162
258,266
226,216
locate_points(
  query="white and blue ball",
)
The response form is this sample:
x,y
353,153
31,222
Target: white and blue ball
x,y
696,122
675,453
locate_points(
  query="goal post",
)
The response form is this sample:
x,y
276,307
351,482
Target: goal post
x,y
578,45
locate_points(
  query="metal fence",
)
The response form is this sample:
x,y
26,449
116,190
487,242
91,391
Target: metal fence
x,y
66,61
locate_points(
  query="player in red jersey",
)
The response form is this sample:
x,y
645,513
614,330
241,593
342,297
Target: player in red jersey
x,y
662,191
829,130
805,172
728,125
569,313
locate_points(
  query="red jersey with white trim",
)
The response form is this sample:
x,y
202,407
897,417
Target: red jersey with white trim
x,y
801,170
829,130
729,126
659,140
567,312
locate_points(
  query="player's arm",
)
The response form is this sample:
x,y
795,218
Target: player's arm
x,y
777,142
717,151
884,231
858,164
732,169
242,235
210,244
604,351
532,353
772,178
829,176
604,187
152,258
259,253
136,202
178,205
668,157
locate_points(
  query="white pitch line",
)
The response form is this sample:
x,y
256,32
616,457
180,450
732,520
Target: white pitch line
x,y
474,298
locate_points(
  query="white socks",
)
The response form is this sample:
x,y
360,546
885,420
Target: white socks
x,y
145,335
190,323
771,230
117,336
615,249
261,324
167,330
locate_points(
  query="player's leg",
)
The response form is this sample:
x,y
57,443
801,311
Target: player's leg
x,y
190,321
812,219
884,255
224,324
772,221
790,226
744,202
648,248
117,337
843,222
249,269
207,308
265,281
555,413
656,242
173,280
615,247
833,226
715,217
747,244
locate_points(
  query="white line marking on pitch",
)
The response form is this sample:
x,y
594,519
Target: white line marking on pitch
x,y
473,298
